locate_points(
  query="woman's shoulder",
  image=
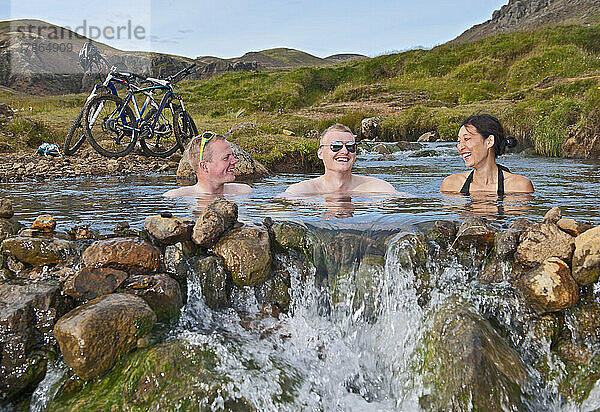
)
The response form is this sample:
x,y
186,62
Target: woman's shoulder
x,y
454,182
515,183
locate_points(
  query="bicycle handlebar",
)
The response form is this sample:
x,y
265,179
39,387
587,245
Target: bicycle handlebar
x,y
183,72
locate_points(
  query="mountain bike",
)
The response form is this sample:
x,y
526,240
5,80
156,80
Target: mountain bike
x,y
113,125
90,57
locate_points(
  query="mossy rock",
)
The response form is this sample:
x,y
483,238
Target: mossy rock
x,y
468,366
573,368
290,235
173,375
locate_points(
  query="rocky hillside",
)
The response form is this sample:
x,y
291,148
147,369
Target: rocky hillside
x,y
530,14
40,62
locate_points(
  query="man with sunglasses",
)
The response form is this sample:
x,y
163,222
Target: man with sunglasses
x,y
211,157
338,151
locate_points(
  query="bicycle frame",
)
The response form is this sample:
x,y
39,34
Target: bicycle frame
x,y
149,102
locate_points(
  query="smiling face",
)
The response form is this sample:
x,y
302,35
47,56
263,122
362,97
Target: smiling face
x,y
342,160
472,147
219,169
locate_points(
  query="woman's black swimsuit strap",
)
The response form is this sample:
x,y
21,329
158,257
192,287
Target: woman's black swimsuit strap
x,y
467,185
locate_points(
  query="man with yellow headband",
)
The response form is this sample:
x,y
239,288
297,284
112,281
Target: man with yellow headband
x,y
338,152
212,159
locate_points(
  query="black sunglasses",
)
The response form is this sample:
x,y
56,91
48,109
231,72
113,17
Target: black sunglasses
x,y
337,146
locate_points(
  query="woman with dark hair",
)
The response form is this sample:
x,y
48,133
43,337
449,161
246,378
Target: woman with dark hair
x,y
480,139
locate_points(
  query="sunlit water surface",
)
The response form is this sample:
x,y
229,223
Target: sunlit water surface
x,y
100,202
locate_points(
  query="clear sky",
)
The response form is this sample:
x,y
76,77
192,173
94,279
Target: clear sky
x,y
230,28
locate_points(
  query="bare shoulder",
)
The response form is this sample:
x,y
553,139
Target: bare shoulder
x,y
179,192
514,183
373,184
305,187
237,189
454,183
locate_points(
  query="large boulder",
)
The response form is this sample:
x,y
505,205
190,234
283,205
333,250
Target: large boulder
x,y
544,240
586,258
468,366
550,287
218,218
247,166
370,127
168,376
169,230
132,255
93,336
38,251
28,312
90,282
246,252
161,292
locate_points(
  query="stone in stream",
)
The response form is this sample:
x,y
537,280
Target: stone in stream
x,y
93,336
9,227
169,230
277,288
572,227
290,235
381,149
424,153
405,146
89,283
174,374
474,231
6,208
83,232
469,366
550,287
579,370
507,241
586,258
161,292
44,223
553,215
246,252
133,255
38,251
219,217
28,311
214,280
544,240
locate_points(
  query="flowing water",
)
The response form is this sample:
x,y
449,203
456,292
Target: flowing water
x,y
338,350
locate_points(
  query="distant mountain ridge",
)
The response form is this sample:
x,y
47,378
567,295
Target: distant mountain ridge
x,y
531,14
24,68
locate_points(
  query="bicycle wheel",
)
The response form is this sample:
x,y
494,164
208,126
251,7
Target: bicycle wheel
x,y
110,126
76,130
188,129
160,140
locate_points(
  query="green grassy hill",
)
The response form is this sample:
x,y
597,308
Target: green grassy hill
x,y
544,85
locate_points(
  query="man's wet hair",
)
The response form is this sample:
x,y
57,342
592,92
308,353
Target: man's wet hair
x,y
337,127
207,154
487,125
